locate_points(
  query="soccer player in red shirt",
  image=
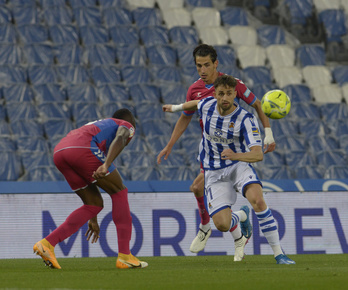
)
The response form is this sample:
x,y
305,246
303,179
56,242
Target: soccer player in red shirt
x,y
85,158
206,61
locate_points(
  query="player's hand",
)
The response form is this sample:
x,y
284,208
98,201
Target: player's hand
x,y
93,231
269,143
167,108
100,172
227,154
165,152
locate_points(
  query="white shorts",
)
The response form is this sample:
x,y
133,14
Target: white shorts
x,y
221,186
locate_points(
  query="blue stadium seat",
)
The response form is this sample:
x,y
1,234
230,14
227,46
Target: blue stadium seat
x,y
5,15
131,55
32,160
105,74
113,92
336,172
20,92
232,70
191,146
144,92
26,15
87,15
112,3
298,93
145,173
161,54
260,89
255,75
166,74
3,114
7,33
100,54
93,34
234,16
33,33
155,127
334,22
42,74
296,158
108,109
27,127
199,3
161,141
305,110
319,143
226,54
332,112
276,172
69,54
276,158
173,93
194,129
270,34
74,74
135,75
55,127
64,34
153,35
82,93
54,110
139,143
115,16
298,11
124,172
137,158
331,157
189,74
179,173
148,110
124,35
7,143
12,74
184,54
59,14
5,129
180,35
343,142
49,93
312,127
43,173
339,127
83,112
295,142
147,16
340,74
284,127
50,3
310,172
21,111
310,54
11,168
11,54
175,158
82,3
38,54
32,144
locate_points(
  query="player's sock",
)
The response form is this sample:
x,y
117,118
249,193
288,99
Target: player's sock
x,y
73,222
269,229
236,232
203,213
123,220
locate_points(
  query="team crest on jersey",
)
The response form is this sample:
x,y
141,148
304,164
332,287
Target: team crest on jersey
x,y
231,125
131,132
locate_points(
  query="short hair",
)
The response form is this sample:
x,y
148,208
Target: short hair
x,y
124,114
205,50
225,80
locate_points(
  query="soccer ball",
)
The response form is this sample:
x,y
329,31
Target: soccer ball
x,y
276,104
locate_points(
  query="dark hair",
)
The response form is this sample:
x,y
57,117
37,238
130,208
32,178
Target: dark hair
x,y
124,114
205,50
225,80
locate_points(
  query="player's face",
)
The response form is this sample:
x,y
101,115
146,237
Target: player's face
x,y
206,69
225,97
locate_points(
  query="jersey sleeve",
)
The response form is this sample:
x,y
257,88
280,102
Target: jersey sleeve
x,y
244,93
129,126
189,98
251,131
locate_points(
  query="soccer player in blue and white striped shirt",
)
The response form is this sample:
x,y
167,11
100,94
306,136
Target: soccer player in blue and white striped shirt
x,y
231,141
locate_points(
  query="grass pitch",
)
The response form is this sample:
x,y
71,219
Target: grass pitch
x,y
201,272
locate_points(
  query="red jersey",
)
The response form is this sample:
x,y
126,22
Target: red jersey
x,y
199,90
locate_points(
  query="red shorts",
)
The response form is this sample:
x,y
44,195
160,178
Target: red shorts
x,y
78,164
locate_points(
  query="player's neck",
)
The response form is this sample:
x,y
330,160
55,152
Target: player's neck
x,y
226,112
212,80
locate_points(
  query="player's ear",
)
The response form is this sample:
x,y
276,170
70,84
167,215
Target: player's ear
x,y
216,63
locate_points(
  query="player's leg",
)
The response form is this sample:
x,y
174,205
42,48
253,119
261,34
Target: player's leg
x,y
204,231
113,185
253,192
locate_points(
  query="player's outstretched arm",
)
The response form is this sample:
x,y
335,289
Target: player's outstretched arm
x,y
188,106
269,143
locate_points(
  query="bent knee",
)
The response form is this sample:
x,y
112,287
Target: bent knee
x,y
222,227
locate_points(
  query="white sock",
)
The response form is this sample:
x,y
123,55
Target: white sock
x,y
204,228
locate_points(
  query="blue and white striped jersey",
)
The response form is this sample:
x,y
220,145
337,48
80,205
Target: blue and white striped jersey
x,y
238,131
